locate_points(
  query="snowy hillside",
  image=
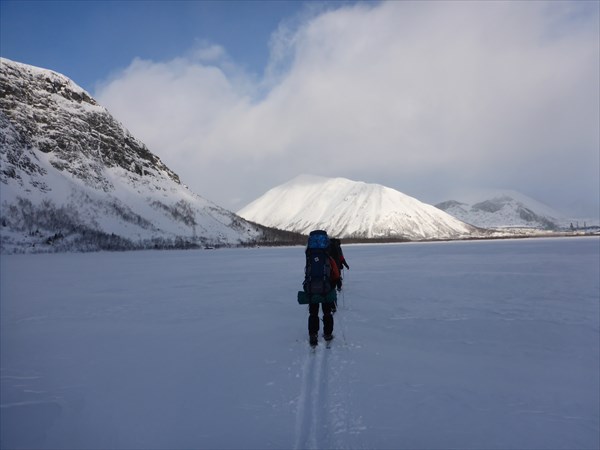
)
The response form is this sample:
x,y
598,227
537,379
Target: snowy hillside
x,y
348,208
503,209
488,345
74,178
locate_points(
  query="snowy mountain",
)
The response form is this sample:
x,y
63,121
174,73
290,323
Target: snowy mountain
x,y
347,208
503,209
73,178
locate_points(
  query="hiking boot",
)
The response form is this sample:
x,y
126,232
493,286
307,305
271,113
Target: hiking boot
x,y
313,340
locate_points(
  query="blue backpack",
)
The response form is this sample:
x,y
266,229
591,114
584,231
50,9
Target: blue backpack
x,y
317,271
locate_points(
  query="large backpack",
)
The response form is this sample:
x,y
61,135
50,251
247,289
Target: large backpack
x,y
317,271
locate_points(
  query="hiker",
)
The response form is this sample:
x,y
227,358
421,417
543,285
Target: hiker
x,y
335,251
321,275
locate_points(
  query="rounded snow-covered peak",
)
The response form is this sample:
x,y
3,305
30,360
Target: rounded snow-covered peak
x,y
347,208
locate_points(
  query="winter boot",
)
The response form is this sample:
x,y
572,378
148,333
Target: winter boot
x,y
327,323
313,324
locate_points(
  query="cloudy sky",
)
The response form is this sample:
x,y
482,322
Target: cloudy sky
x,y
426,97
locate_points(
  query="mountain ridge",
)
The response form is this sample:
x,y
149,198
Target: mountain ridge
x,y
74,178
495,208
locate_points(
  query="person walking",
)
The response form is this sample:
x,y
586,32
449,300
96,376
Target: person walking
x,y
335,250
321,275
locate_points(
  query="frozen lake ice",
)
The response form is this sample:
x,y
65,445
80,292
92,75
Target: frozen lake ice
x,y
486,345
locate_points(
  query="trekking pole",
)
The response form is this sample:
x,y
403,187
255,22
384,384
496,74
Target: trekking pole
x,y
343,298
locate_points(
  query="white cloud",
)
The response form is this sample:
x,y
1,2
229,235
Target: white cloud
x,y
497,93
209,53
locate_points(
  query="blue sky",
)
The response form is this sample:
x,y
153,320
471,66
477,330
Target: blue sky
x,y
429,98
88,40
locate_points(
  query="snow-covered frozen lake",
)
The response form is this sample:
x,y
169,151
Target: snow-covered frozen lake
x,y
481,345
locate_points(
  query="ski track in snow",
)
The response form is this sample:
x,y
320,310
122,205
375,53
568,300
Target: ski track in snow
x,y
313,401
324,405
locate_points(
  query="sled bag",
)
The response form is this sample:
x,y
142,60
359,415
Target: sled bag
x,y
305,299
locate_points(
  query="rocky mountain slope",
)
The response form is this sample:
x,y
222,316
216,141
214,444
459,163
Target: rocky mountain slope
x,y
73,178
504,209
347,208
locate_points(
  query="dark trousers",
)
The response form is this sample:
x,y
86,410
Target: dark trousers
x,y
313,318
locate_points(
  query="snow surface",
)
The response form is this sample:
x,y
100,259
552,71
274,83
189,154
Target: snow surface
x,y
480,345
347,208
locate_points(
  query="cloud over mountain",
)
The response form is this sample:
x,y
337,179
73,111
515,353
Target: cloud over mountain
x,y
421,97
